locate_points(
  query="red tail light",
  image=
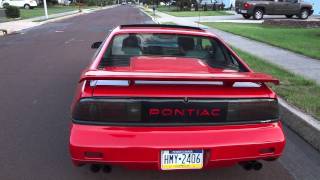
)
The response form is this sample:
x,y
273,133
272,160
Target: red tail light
x,y
214,111
246,5
107,110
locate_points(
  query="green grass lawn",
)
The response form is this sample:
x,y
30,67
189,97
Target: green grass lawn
x,y
39,11
304,94
174,12
305,41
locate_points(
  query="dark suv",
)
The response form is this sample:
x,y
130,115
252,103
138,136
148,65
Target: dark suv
x,y
258,8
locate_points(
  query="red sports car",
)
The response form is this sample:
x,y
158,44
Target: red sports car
x,y
170,97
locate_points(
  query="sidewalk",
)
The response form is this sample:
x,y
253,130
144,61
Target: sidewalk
x,y
293,62
16,26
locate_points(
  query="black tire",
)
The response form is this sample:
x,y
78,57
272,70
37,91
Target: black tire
x,y
246,16
289,16
304,14
27,6
258,14
5,5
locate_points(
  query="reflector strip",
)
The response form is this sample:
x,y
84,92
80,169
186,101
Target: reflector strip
x,y
109,83
180,82
246,84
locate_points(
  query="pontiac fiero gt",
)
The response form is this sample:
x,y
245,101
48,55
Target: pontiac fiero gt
x,y
172,97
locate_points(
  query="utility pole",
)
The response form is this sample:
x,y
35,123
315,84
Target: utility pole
x,y
154,9
79,5
45,8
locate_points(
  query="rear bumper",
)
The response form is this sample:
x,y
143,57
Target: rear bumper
x,y
140,147
244,11
311,12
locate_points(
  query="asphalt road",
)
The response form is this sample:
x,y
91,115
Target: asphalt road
x,y
38,73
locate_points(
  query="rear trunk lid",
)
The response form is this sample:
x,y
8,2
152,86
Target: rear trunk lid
x,y
182,91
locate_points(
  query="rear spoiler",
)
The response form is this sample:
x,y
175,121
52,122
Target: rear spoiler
x,y
229,77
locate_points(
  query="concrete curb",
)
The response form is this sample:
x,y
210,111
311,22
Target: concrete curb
x,y
153,18
303,124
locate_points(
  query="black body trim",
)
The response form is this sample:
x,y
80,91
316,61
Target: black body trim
x,y
171,124
136,124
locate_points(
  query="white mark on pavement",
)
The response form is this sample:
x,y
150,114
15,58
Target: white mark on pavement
x,y
73,40
70,40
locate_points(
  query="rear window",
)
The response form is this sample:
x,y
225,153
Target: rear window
x,y
210,51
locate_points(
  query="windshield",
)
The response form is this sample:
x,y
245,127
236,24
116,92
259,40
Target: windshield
x,y
125,47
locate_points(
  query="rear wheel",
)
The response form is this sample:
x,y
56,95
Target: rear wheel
x,y
246,16
27,6
5,5
258,14
289,16
304,14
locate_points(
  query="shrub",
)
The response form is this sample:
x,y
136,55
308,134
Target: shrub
x,y
52,2
196,7
12,12
91,3
205,7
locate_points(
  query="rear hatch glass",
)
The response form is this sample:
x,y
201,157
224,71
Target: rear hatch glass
x,y
128,51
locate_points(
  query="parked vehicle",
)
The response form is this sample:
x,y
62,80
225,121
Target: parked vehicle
x,y
27,4
172,97
172,3
210,3
258,8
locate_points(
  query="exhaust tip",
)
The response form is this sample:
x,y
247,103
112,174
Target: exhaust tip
x,y
246,165
107,169
249,165
95,168
257,166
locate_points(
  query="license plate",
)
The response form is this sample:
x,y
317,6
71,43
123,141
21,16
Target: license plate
x,y
243,11
181,159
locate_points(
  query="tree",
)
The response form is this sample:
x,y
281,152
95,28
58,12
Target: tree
x,y
184,5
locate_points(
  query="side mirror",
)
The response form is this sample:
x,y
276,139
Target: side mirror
x,y
96,45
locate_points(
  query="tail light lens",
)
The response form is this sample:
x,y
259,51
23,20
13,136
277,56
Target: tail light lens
x,y
253,110
104,110
246,5
134,110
